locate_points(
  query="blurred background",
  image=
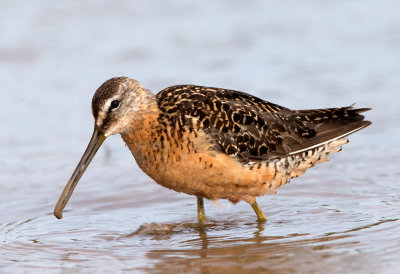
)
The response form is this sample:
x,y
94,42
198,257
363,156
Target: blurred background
x,y
300,54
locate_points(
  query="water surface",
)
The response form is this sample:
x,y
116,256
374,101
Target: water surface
x,y
341,216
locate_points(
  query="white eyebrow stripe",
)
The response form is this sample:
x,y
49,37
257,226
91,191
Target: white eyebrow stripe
x,y
104,109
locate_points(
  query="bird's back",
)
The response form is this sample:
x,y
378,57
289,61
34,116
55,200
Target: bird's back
x,y
251,129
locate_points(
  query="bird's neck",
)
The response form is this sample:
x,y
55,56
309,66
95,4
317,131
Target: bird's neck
x,y
144,120
142,134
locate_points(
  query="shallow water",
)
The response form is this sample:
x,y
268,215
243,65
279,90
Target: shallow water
x,y
341,216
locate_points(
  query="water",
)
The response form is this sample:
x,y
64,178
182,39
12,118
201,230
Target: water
x,y
341,216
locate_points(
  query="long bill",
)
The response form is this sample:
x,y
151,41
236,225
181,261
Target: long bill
x,y
95,142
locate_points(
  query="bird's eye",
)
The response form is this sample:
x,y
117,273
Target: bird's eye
x,y
114,104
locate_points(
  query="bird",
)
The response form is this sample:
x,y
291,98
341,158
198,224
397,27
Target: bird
x,y
214,143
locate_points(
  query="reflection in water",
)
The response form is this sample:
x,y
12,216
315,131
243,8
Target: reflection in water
x,y
291,253
259,253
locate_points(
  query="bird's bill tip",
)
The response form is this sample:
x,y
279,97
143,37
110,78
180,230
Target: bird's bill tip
x,y
94,144
58,213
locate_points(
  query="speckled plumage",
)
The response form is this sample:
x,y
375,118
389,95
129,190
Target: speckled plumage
x,y
218,143
249,128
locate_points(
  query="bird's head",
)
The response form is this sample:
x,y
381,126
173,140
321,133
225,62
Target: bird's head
x,y
116,105
116,102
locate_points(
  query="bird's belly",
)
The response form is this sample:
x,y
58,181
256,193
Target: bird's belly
x,y
210,174
191,167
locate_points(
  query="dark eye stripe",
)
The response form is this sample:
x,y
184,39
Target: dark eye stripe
x,y
114,104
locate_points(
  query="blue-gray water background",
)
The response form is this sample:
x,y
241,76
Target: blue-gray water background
x,y
341,216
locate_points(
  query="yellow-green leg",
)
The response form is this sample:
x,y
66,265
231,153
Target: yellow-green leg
x,y
201,215
260,214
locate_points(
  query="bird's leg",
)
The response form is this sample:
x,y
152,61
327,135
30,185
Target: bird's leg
x,y
260,214
201,215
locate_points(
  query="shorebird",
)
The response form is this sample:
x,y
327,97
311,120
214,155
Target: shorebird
x,y
214,143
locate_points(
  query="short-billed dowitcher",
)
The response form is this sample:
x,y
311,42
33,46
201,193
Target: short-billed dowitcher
x,y
214,143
